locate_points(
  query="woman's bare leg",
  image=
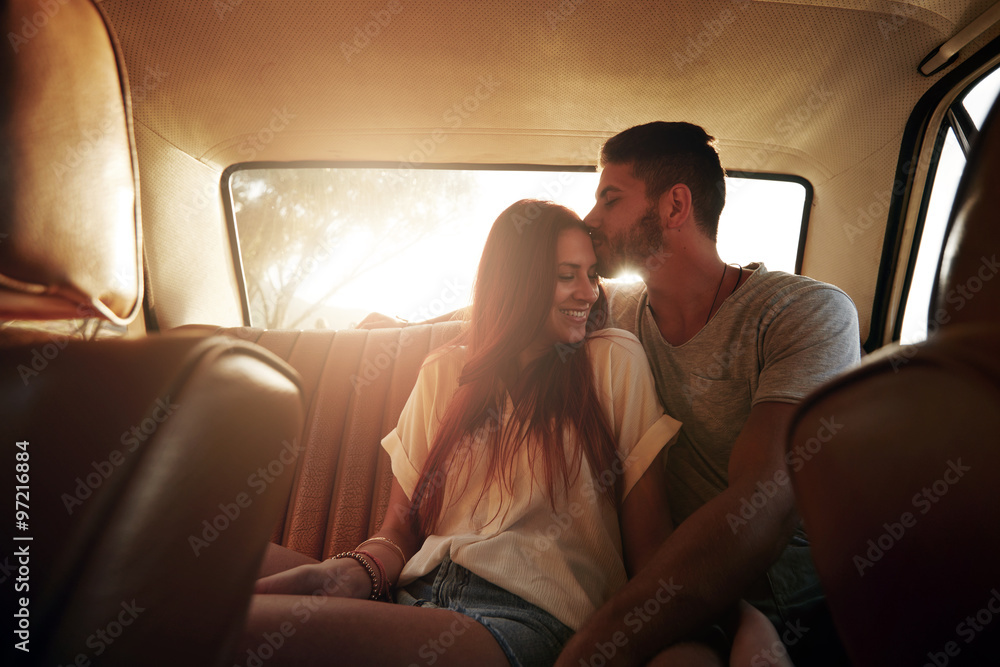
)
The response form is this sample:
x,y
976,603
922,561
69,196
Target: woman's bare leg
x,y
687,654
278,559
320,630
756,642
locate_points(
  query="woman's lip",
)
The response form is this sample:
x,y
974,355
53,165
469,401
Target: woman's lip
x,y
575,314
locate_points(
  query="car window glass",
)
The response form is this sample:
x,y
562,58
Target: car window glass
x,y
323,247
946,178
980,97
761,222
977,101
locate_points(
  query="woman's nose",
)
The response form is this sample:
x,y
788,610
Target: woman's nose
x,y
585,291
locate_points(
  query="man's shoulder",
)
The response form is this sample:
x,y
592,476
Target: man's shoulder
x,y
619,290
779,290
623,302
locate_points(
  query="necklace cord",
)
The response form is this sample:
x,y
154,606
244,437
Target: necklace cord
x,y
711,307
719,289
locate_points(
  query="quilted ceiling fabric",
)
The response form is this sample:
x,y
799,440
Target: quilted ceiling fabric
x,y
229,81
821,89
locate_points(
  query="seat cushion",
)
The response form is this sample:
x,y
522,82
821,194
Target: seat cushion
x,y
356,383
895,472
156,468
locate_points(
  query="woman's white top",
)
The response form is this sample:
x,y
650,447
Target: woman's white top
x,y
567,562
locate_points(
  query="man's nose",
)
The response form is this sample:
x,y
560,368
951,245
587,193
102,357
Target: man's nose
x,y
591,219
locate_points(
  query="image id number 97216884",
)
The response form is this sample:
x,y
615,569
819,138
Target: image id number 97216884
x,y
22,629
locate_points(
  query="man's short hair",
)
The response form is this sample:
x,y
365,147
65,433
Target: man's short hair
x,y
663,154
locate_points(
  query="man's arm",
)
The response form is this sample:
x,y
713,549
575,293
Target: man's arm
x,y
380,321
709,561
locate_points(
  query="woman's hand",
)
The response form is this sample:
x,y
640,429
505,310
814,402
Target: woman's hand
x,y
380,321
343,577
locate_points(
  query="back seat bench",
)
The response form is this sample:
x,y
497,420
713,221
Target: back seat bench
x,y
355,384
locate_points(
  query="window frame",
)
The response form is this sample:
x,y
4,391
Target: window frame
x,y
892,263
956,119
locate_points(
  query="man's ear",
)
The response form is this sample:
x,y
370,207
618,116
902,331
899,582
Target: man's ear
x,y
675,206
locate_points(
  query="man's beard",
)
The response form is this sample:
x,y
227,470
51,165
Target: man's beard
x,y
638,249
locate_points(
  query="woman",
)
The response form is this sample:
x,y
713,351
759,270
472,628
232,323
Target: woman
x,y
524,488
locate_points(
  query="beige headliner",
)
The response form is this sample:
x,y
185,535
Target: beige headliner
x,y
820,89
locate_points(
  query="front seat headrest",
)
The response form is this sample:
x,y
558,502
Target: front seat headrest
x,y
69,221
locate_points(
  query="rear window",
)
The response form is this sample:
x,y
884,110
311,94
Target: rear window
x,y
323,247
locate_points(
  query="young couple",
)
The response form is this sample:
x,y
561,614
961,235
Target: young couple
x,y
529,483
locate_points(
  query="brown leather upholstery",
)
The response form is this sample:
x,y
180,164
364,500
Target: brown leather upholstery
x,y
355,383
895,463
134,446
155,467
68,175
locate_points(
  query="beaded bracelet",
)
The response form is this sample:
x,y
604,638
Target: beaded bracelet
x,y
376,586
383,591
387,542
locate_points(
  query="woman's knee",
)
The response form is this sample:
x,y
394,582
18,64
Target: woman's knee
x,y
688,654
278,559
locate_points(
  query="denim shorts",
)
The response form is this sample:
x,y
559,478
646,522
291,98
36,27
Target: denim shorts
x,y
528,635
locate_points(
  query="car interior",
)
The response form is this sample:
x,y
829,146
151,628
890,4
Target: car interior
x,y
160,431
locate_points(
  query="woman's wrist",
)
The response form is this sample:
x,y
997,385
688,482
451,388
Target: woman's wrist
x,y
384,543
381,585
365,581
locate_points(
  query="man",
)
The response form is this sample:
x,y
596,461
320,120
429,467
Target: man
x,y
733,349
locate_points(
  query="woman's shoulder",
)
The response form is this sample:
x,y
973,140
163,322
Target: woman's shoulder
x,y
447,360
610,338
614,346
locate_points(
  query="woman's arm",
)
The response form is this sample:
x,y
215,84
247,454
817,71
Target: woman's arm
x,y
398,528
645,518
346,577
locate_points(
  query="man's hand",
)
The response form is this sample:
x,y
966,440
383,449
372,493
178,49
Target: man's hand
x,y
343,577
705,566
380,321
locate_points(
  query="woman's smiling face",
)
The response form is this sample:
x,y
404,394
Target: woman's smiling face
x,y
575,290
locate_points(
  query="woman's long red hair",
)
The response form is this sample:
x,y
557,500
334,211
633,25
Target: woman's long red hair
x,y
512,299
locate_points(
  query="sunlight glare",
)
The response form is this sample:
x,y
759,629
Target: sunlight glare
x,y
418,274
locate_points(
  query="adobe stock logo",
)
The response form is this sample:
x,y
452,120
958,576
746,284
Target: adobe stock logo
x,y
162,410
795,459
635,620
254,143
363,36
895,531
37,21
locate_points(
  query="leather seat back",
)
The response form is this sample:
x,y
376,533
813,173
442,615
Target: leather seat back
x,y
901,498
145,491
355,383
145,511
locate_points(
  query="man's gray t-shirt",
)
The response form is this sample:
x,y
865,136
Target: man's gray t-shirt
x,y
776,338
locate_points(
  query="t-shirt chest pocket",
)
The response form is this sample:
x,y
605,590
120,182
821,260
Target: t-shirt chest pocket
x,y
718,408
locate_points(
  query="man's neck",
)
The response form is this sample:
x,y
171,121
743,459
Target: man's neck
x,y
685,292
